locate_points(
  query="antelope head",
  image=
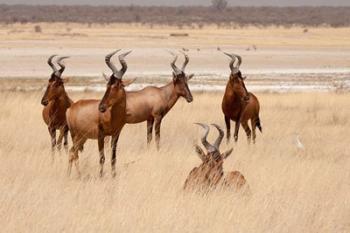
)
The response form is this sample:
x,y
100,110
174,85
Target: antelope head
x,y
236,79
180,79
55,87
115,85
209,173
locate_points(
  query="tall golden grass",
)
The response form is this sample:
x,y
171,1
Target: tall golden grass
x,y
293,190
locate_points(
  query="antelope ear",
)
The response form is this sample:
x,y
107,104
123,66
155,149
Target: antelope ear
x,y
190,76
226,154
128,82
174,77
200,152
66,79
244,78
105,77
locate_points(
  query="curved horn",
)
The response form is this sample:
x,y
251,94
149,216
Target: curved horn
x,y
176,70
59,62
49,61
123,63
239,60
109,63
220,137
206,144
233,59
187,59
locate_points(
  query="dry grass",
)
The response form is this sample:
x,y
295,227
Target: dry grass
x,y
292,191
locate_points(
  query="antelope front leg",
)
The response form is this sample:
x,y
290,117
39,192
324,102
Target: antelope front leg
x,y
52,132
60,139
114,153
228,129
149,130
236,130
101,144
157,129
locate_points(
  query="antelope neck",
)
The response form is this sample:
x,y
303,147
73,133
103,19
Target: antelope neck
x,y
118,109
170,94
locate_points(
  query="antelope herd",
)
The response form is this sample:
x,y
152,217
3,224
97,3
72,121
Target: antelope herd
x,y
97,119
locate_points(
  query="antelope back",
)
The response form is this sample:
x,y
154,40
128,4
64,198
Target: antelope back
x,y
210,172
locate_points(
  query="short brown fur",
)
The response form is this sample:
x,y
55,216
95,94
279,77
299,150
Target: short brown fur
x,y
96,119
151,104
239,105
209,175
56,102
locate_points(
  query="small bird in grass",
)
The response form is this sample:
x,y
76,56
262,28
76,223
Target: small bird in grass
x,y
298,143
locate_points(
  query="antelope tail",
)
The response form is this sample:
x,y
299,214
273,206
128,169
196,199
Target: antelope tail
x,y
258,124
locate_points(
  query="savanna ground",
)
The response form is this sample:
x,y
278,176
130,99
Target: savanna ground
x,y
23,52
293,190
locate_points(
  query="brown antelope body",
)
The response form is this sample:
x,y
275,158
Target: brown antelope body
x,y
96,119
56,102
210,174
151,104
239,105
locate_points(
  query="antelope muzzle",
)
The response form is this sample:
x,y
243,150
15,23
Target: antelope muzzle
x,y
246,98
44,102
189,98
102,107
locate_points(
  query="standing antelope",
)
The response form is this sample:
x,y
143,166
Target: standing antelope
x,y
96,119
238,104
56,102
151,104
210,173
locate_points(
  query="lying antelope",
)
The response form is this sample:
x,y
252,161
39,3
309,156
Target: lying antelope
x,y
56,102
151,104
238,104
96,119
209,175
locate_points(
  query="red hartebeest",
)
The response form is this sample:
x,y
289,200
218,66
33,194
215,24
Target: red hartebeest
x,y
56,102
96,119
209,175
238,104
151,104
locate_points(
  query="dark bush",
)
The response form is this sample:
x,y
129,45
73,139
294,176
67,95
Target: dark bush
x,y
228,17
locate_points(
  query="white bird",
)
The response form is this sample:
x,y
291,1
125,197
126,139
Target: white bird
x,y
298,143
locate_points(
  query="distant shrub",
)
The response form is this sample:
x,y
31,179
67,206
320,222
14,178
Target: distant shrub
x,y
223,16
219,5
37,29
